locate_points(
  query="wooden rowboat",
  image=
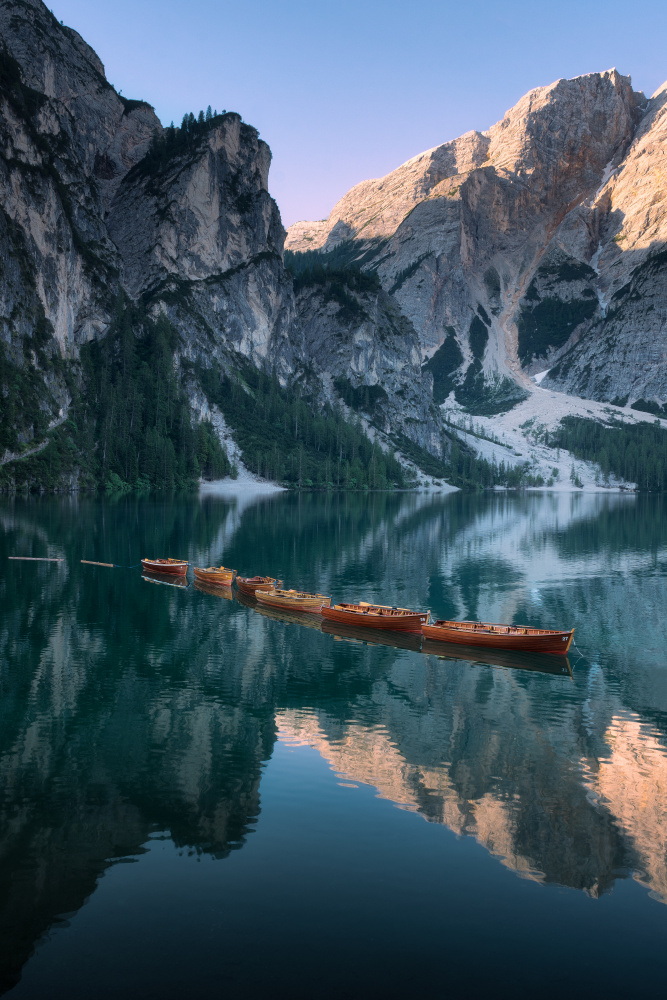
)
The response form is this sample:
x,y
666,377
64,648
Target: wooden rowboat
x,y
493,636
174,567
293,600
251,584
218,576
376,616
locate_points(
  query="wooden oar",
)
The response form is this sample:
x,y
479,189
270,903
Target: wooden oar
x,y
36,558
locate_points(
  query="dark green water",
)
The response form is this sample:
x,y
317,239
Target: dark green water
x,y
197,800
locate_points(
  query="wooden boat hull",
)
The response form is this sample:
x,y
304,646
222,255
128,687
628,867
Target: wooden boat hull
x,y
519,640
412,622
308,605
373,637
214,577
167,567
250,587
543,663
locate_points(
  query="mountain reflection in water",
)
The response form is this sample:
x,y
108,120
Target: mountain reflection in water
x,y
129,709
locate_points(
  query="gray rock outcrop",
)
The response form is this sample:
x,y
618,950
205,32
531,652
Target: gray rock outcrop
x,y
86,216
100,204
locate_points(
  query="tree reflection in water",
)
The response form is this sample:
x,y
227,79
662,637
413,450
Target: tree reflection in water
x,y
128,709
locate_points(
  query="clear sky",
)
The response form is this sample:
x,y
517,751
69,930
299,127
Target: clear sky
x,y
350,89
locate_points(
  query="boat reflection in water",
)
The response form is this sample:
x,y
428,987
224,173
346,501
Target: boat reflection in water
x,y
374,637
215,590
137,725
249,600
305,618
543,663
165,579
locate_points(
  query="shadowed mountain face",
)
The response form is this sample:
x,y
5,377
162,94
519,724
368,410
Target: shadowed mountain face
x,y
130,708
109,221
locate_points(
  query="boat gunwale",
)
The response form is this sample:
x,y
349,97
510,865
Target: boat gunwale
x,y
406,621
491,628
249,586
364,608
294,595
214,574
258,579
308,603
167,562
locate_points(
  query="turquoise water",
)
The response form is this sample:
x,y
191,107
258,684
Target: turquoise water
x,y
197,799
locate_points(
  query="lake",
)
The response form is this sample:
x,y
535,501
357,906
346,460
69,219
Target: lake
x,y
199,800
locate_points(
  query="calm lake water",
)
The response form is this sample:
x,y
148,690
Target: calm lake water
x,y
200,800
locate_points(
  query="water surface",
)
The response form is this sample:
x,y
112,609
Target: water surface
x,y
198,799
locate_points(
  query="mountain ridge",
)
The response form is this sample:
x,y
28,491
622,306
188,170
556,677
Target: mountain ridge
x,y
489,219
148,312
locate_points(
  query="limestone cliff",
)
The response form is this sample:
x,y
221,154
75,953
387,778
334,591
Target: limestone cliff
x,y
104,213
67,139
622,234
98,206
537,240
201,239
363,351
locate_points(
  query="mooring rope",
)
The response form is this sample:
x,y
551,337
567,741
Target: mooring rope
x,y
578,650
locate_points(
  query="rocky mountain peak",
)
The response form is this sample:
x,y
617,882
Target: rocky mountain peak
x,y
567,127
523,233
196,211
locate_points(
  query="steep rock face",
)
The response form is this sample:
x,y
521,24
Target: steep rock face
x,y
363,351
375,208
200,238
89,215
488,243
623,235
67,138
100,202
206,212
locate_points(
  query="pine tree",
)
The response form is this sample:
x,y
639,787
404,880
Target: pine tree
x,y
209,113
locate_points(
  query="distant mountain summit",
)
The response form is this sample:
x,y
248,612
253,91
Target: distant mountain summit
x,y
539,244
